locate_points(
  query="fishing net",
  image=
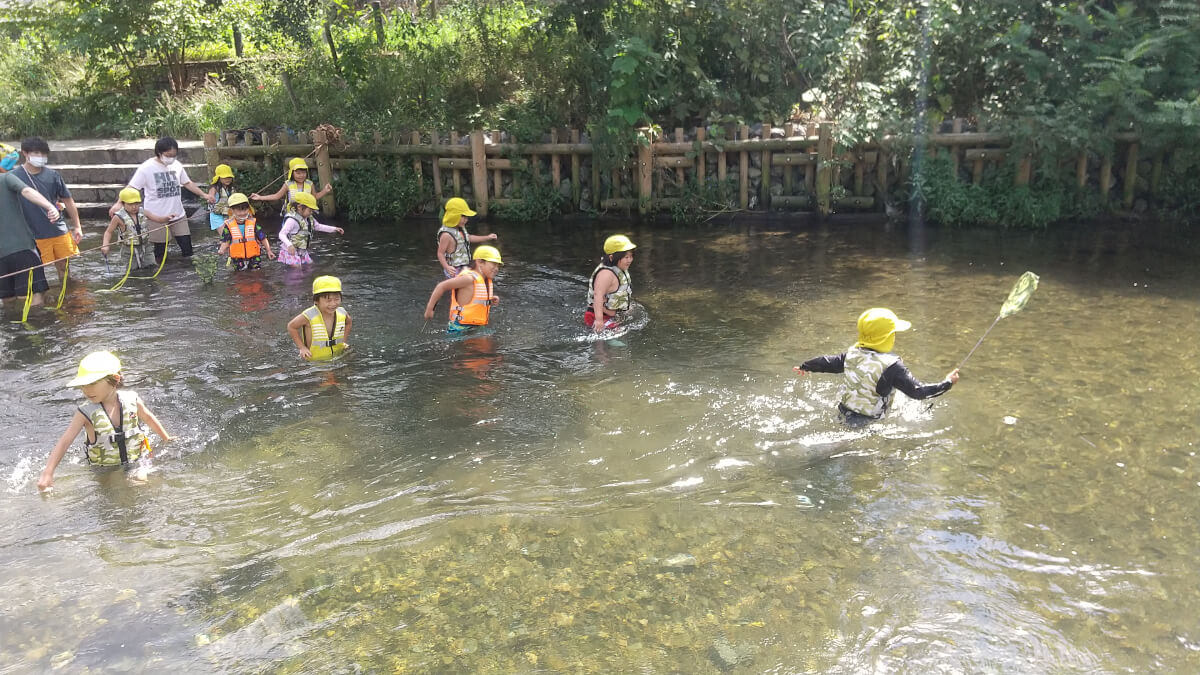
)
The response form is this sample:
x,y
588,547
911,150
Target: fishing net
x,y
1020,294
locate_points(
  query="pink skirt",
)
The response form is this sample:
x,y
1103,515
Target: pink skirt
x,y
301,257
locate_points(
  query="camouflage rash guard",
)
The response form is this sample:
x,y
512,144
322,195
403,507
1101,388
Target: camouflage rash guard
x,y
895,376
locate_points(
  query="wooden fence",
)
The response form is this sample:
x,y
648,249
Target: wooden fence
x,y
790,168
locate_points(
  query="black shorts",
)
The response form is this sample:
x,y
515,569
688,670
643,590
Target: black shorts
x,y
18,284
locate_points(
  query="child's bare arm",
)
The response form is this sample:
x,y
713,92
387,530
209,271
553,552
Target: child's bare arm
x,y
60,449
298,323
224,248
478,238
144,413
346,331
440,290
278,194
112,226
324,191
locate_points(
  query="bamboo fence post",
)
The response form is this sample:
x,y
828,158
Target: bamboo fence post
x,y
1024,171
744,170
1105,176
212,156
479,174
415,139
555,162
700,157
645,154
722,172
437,171
1156,174
1081,165
595,180
455,173
576,186
497,179
1131,160
789,172
764,186
377,15
679,178
324,171
859,169
956,127
824,168
810,178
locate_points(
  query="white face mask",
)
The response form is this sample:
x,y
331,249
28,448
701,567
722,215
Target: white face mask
x,y
168,161
38,160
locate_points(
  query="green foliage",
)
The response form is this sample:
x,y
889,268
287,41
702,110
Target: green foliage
x,y
369,192
701,202
535,200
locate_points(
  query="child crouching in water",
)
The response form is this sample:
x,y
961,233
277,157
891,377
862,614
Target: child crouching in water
x,y
872,374
241,237
114,419
127,223
296,231
471,295
321,331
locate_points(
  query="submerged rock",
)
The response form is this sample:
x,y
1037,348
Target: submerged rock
x,y
680,562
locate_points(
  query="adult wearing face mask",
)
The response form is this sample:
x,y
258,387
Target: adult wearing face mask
x,y
160,179
54,242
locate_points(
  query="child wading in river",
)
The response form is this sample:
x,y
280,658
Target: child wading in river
x,y
454,242
471,296
297,183
872,374
129,228
297,229
114,419
241,237
320,332
221,189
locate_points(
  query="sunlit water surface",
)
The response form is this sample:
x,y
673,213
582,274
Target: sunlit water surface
x,y
526,500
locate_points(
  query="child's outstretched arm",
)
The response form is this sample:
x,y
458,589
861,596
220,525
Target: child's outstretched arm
x,y
479,238
108,231
159,219
155,425
322,227
440,290
298,323
278,194
60,449
324,191
835,363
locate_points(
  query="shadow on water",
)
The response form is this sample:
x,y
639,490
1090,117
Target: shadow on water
x,y
670,499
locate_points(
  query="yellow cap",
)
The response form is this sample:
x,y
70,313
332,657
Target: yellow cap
x,y
296,163
305,199
455,209
238,198
131,196
95,367
327,285
877,328
618,243
489,253
222,171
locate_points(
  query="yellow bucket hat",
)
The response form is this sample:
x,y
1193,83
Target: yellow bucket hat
x,y
455,209
327,284
489,253
131,196
305,199
222,171
296,163
95,367
618,243
877,328
238,198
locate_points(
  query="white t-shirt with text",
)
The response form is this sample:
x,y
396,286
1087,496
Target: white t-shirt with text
x,y
160,187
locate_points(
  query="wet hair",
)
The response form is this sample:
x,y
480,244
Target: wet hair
x,y
165,144
35,144
317,296
114,380
613,258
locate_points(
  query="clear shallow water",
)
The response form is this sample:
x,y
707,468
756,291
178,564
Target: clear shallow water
x,y
513,503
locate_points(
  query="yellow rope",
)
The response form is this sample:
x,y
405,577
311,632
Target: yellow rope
x,y
128,269
28,297
62,294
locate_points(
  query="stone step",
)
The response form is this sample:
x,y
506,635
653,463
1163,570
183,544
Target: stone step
x,y
91,174
117,152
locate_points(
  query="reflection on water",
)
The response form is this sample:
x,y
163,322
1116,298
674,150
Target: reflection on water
x,y
527,500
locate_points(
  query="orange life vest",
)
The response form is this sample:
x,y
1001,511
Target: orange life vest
x,y
475,313
246,240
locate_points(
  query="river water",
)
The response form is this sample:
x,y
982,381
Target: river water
x,y
672,501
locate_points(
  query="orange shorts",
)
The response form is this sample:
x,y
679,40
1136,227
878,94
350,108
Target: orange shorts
x,y
57,248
